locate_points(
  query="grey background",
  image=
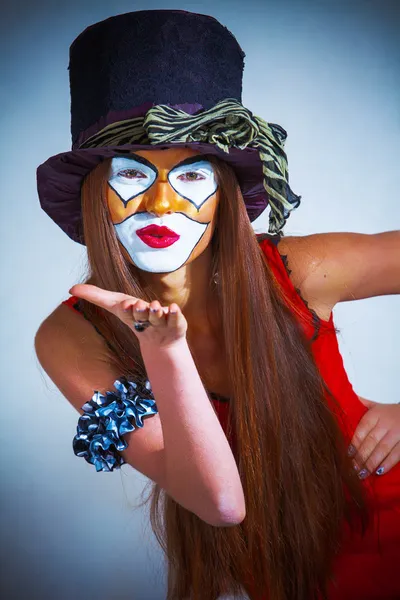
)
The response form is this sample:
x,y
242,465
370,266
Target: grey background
x,y
328,72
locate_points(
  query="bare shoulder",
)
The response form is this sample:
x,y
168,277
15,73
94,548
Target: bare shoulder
x,y
304,254
67,322
308,263
73,354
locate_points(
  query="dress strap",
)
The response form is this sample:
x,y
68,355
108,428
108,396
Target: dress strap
x,y
275,239
73,303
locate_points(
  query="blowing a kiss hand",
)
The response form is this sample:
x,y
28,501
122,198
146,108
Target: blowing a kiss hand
x,y
167,327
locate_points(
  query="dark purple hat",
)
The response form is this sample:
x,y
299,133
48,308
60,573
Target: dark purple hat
x,y
155,79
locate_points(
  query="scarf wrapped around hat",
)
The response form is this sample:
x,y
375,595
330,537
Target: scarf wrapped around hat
x,y
228,124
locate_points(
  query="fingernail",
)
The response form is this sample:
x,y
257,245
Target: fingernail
x,y
380,470
363,474
351,450
153,310
356,467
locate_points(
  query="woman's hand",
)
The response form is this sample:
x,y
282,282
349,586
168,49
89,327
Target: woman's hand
x,y
168,325
376,441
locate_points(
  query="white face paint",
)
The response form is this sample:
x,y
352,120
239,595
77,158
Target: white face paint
x,y
197,190
193,180
130,178
160,260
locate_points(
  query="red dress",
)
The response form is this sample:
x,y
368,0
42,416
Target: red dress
x,y
368,568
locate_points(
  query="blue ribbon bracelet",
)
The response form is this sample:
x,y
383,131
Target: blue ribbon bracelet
x,y
107,418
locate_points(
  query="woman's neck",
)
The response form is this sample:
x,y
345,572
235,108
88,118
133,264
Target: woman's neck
x,y
189,287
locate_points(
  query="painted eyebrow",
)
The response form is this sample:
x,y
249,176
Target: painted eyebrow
x,y
186,161
141,160
191,160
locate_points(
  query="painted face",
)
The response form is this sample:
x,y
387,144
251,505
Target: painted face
x,y
163,205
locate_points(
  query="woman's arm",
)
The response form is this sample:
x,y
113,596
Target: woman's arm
x,y
198,459
337,267
182,448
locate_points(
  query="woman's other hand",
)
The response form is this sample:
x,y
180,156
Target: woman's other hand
x,y
376,441
168,325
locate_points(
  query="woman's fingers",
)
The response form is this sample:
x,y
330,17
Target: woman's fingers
x,y
141,311
376,441
390,461
153,313
156,314
103,298
168,324
174,315
176,320
367,445
386,453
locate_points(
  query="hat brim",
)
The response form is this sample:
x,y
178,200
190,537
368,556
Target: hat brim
x,y
60,178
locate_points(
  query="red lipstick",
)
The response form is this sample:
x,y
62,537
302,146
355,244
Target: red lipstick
x,y
157,237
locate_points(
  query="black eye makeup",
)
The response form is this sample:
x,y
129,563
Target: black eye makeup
x,y
193,178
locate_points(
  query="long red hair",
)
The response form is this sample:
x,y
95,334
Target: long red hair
x,y
298,481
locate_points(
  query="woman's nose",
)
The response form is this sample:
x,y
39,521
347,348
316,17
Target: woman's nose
x,y
160,198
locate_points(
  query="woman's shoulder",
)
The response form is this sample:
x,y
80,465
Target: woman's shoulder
x,y
66,343
64,320
302,257
74,356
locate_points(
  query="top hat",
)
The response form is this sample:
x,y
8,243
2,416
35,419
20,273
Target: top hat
x,y
155,79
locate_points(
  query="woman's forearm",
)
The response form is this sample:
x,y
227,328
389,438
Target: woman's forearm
x,y
200,466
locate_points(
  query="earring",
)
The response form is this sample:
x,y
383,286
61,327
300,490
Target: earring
x,y
216,278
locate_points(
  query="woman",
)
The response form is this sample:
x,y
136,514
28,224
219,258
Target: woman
x,y
222,340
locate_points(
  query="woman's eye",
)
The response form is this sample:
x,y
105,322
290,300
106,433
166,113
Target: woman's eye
x,y
131,174
191,176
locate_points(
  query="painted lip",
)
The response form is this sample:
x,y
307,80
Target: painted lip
x,y
157,237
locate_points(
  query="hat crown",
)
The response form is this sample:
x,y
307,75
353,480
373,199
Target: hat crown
x,y
151,56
